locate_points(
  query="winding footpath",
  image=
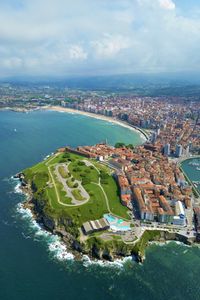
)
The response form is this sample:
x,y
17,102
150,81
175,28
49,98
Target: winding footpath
x,y
79,203
54,184
102,189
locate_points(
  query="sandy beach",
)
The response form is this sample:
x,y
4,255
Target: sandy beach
x,y
100,117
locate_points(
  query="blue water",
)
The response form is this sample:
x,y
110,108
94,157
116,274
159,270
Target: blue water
x,y
110,218
192,172
29,270
115,223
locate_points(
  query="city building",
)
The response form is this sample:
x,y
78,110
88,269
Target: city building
x,y
179,219
166,150
178,151
96,225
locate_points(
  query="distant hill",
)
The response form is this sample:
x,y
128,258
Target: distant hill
x,y
164,84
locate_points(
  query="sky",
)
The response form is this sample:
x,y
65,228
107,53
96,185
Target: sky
x,y
98,37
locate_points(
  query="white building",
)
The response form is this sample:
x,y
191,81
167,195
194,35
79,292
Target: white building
x,y
167,150
179,209
179,219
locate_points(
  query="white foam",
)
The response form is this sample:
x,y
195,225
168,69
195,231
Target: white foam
x,y
119,263
161,244
18,189
55,245
59,249
25,212
17,183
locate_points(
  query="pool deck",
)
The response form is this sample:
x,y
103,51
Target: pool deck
x,y
117,224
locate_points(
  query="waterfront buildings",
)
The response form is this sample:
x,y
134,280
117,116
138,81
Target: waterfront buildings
x,y
96,225
149,183
173,126
179,218
171,120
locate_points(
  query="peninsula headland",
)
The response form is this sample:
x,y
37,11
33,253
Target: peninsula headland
x,y
90,197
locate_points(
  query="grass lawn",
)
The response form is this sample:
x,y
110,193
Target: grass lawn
x,y
94,208
77,195
70,183
63,172
80,172
62,193
111,191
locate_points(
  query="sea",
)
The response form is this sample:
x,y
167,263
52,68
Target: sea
x,y
35,265
192,169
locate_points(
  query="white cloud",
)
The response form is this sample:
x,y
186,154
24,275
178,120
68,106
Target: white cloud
x,y
77,53
167,4
110,45
12,62
58,37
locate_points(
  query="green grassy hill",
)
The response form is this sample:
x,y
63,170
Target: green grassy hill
x,y
95,179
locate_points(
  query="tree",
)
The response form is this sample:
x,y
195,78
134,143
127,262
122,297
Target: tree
x,y
81,163
85,181
119,145
130,146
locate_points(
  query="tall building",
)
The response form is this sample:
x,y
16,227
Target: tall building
x,y
167,151
187,150
63,103
154,137
143,123
190,146
178,151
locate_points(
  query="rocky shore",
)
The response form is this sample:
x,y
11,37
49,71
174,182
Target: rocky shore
x,y
96,249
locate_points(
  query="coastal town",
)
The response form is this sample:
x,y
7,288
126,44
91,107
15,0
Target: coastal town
x,y
148,180
151,186
151,182
100,149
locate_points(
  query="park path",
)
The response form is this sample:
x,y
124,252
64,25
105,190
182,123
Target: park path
x,y
55,187
69,190
88,163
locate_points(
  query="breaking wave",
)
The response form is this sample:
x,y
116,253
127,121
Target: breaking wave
x,y
54,243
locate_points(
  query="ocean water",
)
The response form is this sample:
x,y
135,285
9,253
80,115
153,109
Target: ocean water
x,y
192,171
35,265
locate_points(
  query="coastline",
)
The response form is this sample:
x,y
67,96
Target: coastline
x,y
140,256
64,248
58,248
73,247
142,134
195,189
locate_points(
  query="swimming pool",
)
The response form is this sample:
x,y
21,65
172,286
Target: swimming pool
x,y
117,224
110,218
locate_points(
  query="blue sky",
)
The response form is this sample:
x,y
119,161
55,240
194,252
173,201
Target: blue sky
x,y
97,37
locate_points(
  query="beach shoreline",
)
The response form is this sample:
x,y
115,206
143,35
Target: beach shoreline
x,y
142,134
